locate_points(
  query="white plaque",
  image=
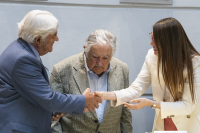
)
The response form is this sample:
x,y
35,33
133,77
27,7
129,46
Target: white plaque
x,y
170,131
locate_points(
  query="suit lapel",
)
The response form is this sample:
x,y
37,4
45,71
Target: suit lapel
x,y
158,89
81,79
27,47
80,76
44,72
112,85
112,78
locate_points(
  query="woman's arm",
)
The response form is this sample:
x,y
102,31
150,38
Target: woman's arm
x,y
183,107
106,95
141,102
137,88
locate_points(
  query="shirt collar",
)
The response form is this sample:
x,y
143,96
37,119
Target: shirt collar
x,y
88,70
35,52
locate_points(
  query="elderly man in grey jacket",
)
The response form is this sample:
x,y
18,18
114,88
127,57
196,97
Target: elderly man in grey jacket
x,y
97,69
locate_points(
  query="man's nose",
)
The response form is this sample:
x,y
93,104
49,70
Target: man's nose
x,y
99,62
57,39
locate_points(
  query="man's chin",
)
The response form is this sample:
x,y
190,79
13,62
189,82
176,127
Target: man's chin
x,y
98,72
51,50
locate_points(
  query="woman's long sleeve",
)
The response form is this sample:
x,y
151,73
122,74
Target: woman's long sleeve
x,y
137,88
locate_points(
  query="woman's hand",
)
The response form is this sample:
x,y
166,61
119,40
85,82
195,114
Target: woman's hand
x,y
99,94
141,102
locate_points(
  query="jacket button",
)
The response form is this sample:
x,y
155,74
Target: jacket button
x,y
188,116
95,121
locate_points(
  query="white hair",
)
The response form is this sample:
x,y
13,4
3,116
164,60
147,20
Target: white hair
x,y
100,37
37,23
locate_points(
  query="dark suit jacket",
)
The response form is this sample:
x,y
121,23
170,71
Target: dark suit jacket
x,y
26,98
73,75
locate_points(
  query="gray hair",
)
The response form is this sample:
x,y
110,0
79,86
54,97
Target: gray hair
x,y
37,23
100,37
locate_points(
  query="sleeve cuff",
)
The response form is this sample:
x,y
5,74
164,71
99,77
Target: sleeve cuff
x,y
117,102
163,110
82,106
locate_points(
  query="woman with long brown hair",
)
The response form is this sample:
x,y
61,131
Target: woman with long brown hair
x,y
172,67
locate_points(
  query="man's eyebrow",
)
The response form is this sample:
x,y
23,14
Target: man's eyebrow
x,y
94,54
107,56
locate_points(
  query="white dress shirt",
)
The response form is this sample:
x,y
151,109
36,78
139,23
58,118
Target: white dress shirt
x,y
98,84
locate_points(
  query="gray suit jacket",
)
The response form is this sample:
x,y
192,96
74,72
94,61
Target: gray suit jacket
x,y
72,73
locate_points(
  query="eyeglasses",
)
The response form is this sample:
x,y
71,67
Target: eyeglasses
x,y
151,35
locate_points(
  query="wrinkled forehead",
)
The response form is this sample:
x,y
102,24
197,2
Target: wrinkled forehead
x,y
101,55
101,50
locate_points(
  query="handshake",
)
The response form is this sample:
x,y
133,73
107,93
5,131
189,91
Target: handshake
x,y
92,100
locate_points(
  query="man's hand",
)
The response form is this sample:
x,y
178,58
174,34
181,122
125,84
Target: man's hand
x,y
92,101
57,117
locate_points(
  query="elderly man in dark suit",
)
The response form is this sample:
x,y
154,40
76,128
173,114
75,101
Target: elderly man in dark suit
x,y
97,69
26,98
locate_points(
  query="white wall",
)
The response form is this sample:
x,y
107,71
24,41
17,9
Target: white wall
x,y
130,23
176,3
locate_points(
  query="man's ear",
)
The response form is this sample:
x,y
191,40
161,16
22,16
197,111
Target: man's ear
x,y
38,41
